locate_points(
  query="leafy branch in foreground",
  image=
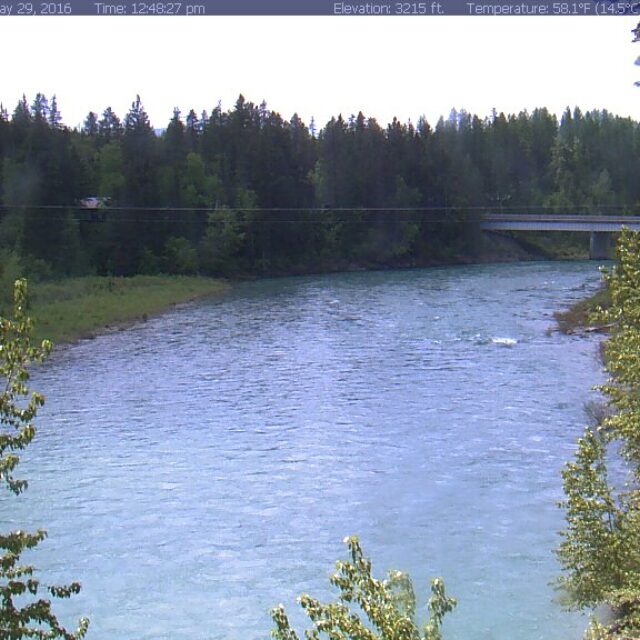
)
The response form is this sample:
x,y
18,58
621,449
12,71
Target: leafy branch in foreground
x,y
20,618
389,606
600,551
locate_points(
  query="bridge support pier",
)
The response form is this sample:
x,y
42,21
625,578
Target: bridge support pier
x,y
600,245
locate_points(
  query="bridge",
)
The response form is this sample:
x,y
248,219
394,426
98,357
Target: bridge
x,y
600,227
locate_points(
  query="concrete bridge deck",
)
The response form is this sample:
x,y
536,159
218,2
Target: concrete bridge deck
x,y
600,227
553,222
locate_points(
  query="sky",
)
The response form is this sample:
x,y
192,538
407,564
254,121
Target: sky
x,y
322,66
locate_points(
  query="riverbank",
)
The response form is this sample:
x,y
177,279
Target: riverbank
x,y
74,308
490,247
71,309
577,317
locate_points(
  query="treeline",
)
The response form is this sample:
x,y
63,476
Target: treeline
x,y
245,191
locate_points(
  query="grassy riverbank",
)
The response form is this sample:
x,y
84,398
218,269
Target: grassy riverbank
x,y
75,308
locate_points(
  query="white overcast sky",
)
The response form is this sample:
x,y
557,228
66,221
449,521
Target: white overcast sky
x,y
322,66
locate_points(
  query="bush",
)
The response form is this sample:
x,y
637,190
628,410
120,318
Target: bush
x,y
18,409
389,606
600,551
180,257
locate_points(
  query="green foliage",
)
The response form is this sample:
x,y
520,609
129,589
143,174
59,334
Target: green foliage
x,y
593,517
181,258
16,353
600,551
222,243
22,613
200,189
74,308
622,351
355,194
388,606
10,271
110,163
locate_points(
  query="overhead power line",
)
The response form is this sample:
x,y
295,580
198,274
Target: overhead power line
x,y
317,210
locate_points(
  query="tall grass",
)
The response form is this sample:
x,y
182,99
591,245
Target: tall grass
x,y
74,308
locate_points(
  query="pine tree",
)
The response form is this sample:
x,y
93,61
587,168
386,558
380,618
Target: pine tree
x,y
40,109
193,130
55,117
90,127
139,149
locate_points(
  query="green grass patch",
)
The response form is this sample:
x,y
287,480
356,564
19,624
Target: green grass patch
x,y
75,308
577,316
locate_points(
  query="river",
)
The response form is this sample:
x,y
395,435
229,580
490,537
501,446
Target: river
x,y
202,467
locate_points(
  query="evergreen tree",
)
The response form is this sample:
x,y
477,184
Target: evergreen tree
x,y
90,127
109,127
353,191
55,117
139,151
194,129
40,109
174,153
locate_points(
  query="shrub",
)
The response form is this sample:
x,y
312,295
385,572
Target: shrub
x,y
388,605
22,613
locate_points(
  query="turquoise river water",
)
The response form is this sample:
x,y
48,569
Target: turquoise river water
x,y
200,468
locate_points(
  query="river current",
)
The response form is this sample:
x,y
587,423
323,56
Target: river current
x,y
195,470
